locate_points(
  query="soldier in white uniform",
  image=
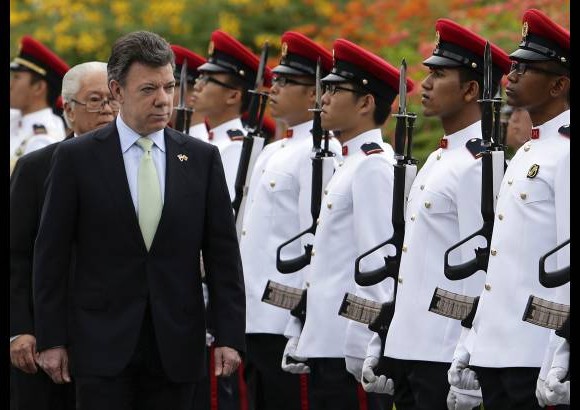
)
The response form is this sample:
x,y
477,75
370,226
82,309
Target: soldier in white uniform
x,y
507,352
279,208
197,128
35,82
443,208
221,95
355,216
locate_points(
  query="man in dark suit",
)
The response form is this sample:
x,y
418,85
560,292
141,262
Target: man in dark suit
x,y
134,203
84,91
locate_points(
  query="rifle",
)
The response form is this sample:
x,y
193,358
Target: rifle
x,y
253,141
554,278
322,168
492,170
405,171
183,115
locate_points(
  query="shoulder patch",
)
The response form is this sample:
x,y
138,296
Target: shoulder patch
x,y
235,134
371,148
565,130
39,129
474,146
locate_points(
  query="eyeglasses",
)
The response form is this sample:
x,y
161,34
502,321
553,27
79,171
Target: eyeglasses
x,y
96,104
333,88
521,68
281,81
203,79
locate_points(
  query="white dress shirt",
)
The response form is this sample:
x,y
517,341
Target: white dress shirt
x,y
355,216
528,215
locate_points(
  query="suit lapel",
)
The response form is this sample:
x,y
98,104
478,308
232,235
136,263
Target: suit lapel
x,y
112,167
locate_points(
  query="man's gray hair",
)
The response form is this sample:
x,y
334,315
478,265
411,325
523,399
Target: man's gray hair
x,y
71,82
142,47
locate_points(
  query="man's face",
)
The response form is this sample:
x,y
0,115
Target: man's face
x,y
93,87
211,97
339,105
22,90
146,98
529,85
442,93
291,97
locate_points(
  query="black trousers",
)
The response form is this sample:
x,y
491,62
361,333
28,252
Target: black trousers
x,y
419,385
142,385
512,388
332,387
269,387
38,392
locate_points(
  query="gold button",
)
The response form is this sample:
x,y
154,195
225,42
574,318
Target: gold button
x,y
307,284
422,187
340,163
438,156
404,248
400,280
523,195
511,181
413,217
312,252
487,286
318,221
500,217
427,204
329,205
326,192
243,231
272,183
493,252
527,148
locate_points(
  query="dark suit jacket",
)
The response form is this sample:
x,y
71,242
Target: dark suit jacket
x,y
26,199
88,205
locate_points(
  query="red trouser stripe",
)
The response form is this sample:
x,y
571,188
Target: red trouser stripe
x,y
213,383
242,388
362,397
303,392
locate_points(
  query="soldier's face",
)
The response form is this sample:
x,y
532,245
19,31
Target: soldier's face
x,y
210,98
442,93
146,98
290,99
339,107
22,90
93,87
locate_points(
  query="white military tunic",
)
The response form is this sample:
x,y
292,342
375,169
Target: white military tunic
x,y
443,208
355,216
199,131
230,149
526,230
24,136
278,208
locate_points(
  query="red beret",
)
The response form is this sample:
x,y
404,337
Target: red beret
x,y
458,46
36,57
193,61
228,55
300,55
543,39
359,66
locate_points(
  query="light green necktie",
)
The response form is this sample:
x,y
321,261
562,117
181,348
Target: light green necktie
x,y
148,193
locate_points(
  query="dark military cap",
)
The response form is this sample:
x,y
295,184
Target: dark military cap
x,y
543,40
228,55
457,46
300,54
359,66
193,61
36,57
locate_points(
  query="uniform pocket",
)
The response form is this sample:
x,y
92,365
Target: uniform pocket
x,y
529,191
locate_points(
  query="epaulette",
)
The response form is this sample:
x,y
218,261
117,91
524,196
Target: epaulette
x,y
565,130
235,134
371,148
38,129
474,146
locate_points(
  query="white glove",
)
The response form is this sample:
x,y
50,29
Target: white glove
x,y
461,401
209,339
461,376
373,383
556,391
354,366
541,393
289,350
